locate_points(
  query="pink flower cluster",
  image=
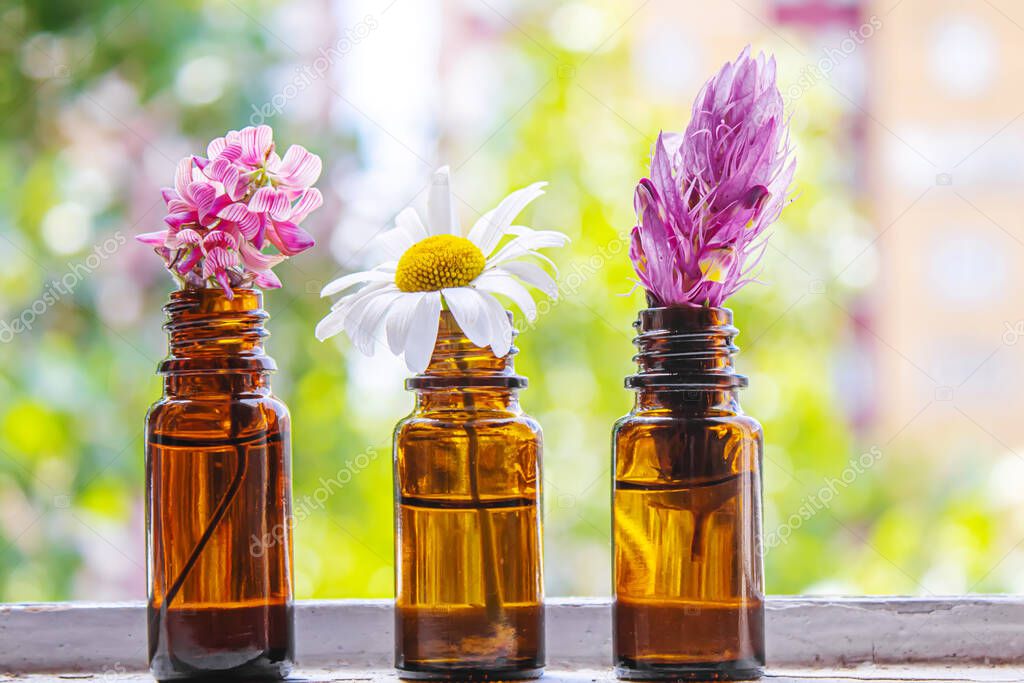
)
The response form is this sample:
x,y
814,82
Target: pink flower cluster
x,y
227,208
713,190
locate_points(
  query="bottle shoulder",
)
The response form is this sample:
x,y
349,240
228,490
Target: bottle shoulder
x,y
657,420
264,399
245,413
452,420
458,457
655,449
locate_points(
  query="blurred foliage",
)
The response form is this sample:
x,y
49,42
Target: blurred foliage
x,y
92,117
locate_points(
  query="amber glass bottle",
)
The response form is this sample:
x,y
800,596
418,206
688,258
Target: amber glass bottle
x,y
689,596
218,484
468,573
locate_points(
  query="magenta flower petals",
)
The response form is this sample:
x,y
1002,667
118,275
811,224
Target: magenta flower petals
x,y
229,176
191,259
186,237
216,265
270,201
714,189
215,147
289,238
298,170
218,239
203,196
154,239
256,260
176,220
267,280
230,153
225,208
175,205
183,177
260,264
248,222
256,143
310,201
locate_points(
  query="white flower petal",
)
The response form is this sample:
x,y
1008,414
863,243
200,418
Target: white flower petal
x,y
519,230
349,300
500,282
419,344
470,313
364,320
395,242
531,274
399,319
501,326
525,243
493,225
440,212
540,239
346,281
332,324
531,253
409,221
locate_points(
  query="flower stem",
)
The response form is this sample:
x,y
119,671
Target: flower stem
x,y
215,520
489,561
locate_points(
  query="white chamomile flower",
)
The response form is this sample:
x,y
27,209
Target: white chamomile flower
x,y
403,296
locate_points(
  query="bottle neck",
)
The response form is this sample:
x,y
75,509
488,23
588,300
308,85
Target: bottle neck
x,y
702,401
215,344
462,376
685,360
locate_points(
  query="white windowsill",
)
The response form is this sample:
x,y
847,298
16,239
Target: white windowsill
x,y
874,674
977,638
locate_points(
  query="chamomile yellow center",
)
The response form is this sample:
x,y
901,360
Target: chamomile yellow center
x,y
439,262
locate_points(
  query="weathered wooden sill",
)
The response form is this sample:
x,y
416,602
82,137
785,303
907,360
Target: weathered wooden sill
x,y
978,638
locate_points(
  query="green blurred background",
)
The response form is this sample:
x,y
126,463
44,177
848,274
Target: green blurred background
x,y
98,99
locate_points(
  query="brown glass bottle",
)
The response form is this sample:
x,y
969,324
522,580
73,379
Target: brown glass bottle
x,y
218,485
689,595
468,572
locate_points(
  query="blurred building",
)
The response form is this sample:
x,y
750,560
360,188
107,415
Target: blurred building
x,y
946,170
934,154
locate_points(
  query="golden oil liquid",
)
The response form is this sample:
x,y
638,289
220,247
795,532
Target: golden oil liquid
x,y
220,568
444,614
685,585
689,595
469,578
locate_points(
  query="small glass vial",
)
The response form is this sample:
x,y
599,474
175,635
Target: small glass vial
x,y
468,571
689,590
218,503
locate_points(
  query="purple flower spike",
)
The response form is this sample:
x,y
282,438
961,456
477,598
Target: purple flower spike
x,y
713,190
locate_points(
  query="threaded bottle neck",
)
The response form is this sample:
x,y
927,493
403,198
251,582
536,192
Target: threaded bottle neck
x,y
209,333
685,348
